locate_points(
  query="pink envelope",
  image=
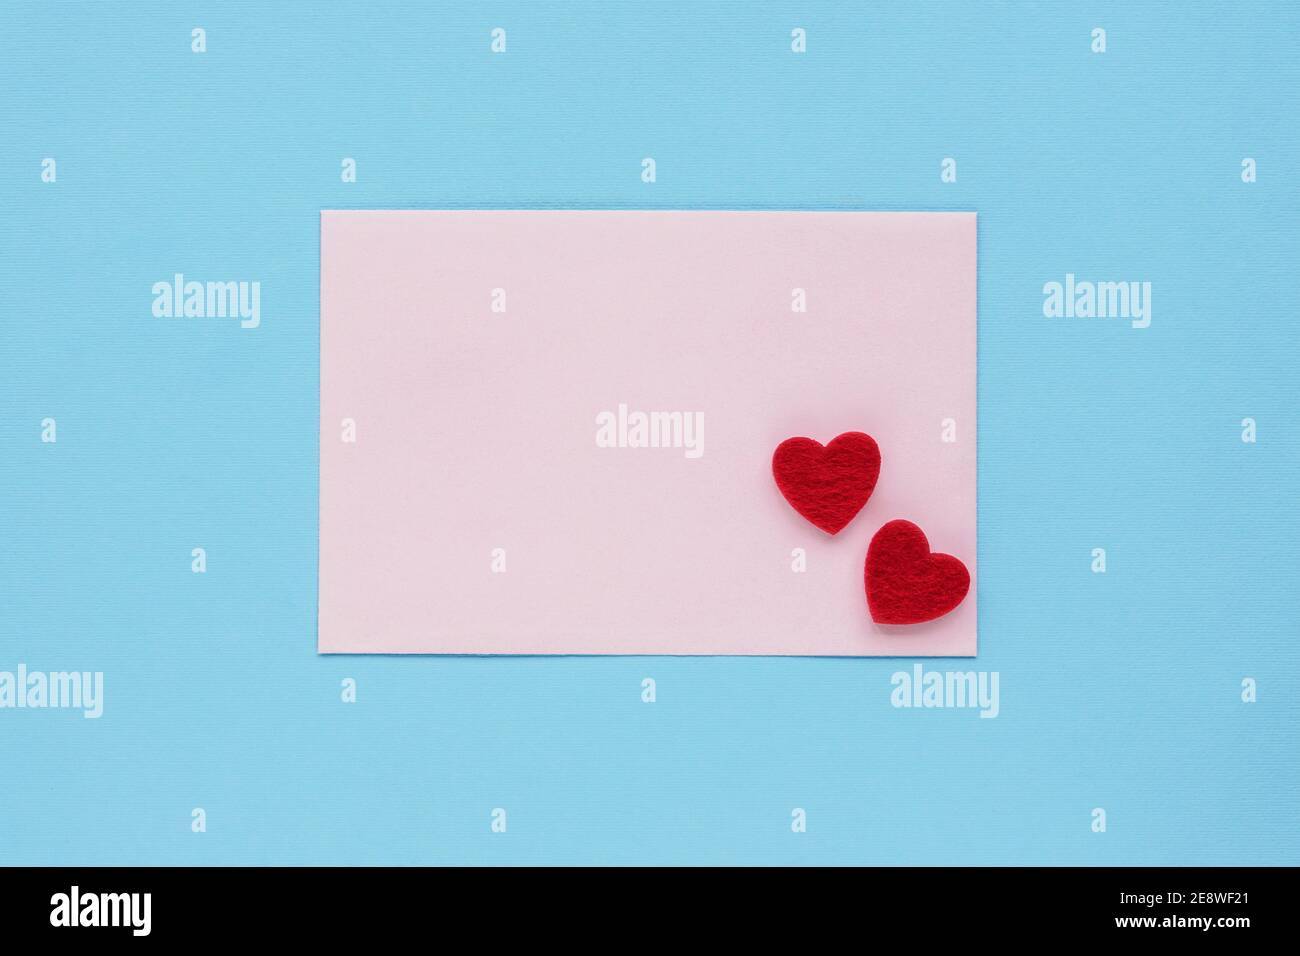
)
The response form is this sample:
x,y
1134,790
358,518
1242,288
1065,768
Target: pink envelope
x,y
552,432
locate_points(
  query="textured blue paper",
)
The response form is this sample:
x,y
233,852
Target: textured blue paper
x,y
1119,691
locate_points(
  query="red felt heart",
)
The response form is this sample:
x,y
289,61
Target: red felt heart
x,y
828,484
906,583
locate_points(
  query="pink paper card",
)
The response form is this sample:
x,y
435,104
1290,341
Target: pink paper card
x,y
553,432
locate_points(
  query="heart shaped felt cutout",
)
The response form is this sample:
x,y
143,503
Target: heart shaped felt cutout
x,y
827,484
906,582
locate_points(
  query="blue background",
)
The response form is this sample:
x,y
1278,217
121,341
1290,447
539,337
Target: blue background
x,y
1120,691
